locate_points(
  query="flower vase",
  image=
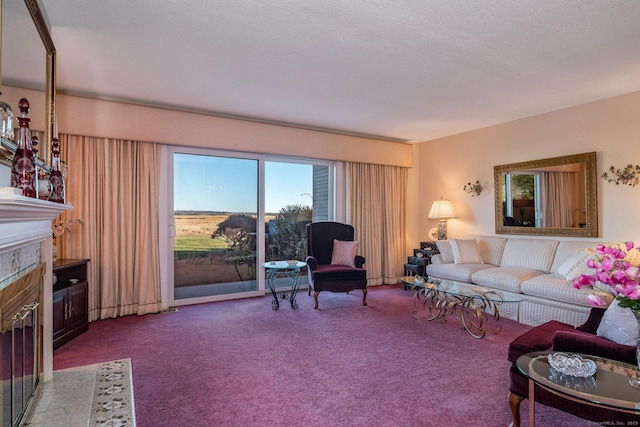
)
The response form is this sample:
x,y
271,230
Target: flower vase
x,y
636,382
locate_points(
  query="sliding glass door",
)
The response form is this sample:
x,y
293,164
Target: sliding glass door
x,y
296,193
232,212
215,206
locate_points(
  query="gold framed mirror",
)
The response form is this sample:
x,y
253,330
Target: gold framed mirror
x,y
27,55
548,197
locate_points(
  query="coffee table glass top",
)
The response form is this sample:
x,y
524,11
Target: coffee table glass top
x,y
608,387
462,289
284,265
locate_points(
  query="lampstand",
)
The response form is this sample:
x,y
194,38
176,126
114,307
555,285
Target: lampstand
x,y
442,210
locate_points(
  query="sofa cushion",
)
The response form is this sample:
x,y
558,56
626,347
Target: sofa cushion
x,y
534,254
446,251
344,252
504,278
575,265
568,248
338,272
491,248
465,251
457,272
556,288
582,342
619,325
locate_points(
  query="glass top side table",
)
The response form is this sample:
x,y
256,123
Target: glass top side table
x,y
283,269
608,388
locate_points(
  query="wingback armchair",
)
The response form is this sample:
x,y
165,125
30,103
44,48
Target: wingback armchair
x,y
332,263
558,336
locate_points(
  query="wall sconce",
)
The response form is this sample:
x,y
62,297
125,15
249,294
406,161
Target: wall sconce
x,y
442,210
627,176
473,189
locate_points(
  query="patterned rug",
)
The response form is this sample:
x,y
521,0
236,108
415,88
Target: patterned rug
x,y
113,395
91,395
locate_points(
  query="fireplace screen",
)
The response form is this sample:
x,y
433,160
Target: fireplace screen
x,y
21,344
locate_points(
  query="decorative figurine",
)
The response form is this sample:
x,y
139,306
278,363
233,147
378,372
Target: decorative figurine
x,y
23,168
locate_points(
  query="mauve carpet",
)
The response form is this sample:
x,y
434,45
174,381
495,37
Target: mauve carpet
x,y
239,363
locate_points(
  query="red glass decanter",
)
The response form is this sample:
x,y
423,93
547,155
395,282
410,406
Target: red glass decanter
x,y
56,180
23,168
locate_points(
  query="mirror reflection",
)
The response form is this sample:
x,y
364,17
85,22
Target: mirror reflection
x,y
553,196
26,63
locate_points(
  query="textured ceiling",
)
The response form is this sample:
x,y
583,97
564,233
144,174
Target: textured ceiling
x,y
406,69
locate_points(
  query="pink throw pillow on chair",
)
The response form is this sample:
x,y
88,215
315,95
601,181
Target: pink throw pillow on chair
x,y
344,252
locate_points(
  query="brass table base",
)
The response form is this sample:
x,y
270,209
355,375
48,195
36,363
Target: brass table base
x,y
469,310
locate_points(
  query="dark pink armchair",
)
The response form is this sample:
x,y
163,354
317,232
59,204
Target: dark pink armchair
x,y
323,276
558,336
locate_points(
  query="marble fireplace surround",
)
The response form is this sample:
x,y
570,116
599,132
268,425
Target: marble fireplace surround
x,y
25,243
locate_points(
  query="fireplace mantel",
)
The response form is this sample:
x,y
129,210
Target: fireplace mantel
x,y
14,208
25,221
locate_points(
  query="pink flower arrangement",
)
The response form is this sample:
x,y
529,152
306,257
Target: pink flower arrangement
x,y
616,267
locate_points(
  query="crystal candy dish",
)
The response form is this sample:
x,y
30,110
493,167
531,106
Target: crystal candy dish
x,y
572,364
584,384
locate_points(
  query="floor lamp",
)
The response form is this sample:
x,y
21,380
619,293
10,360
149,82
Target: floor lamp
x,y
442,210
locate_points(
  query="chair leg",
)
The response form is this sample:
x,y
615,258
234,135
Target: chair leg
x,y
364,297
514,404
315,299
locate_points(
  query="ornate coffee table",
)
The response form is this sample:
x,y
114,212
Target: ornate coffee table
x,y
608,388
465,301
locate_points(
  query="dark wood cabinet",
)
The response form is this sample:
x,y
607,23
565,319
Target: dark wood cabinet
x,y
70,300
417,264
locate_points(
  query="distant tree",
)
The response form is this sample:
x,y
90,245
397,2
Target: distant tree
x,y
290,231
523,185
239,230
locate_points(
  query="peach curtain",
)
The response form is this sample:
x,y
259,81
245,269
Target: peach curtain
x,y
113,185
559,195
376,197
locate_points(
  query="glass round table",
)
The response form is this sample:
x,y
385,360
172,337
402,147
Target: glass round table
x,y
283,269
608,388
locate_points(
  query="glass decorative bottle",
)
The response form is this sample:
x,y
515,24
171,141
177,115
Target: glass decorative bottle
x,y
6,121
23,168
34,150
56,179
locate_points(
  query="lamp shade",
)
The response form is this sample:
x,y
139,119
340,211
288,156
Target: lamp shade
x,y
442,209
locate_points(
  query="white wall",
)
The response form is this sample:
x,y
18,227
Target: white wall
x,y
610,127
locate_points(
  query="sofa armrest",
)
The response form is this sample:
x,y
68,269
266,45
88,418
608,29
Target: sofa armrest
x,y
585,343
539,338
359,261
312,263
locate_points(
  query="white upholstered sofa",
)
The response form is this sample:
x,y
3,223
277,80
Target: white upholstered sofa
x,y
541,270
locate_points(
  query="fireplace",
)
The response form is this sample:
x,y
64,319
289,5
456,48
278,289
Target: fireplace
x,y
21,344
26,350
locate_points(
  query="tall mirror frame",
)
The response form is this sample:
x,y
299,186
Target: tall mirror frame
x,y
41,24
590,226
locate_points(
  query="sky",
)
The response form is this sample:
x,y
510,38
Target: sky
x,y
207,183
